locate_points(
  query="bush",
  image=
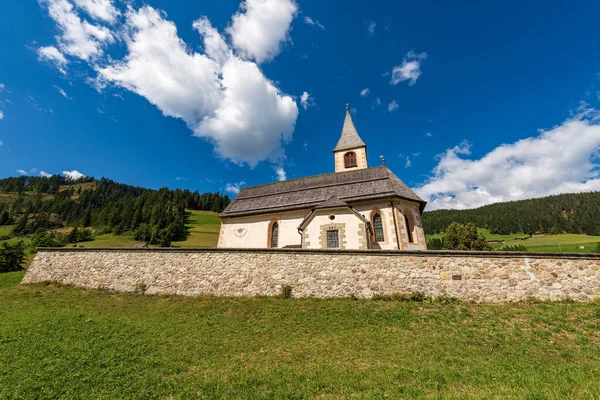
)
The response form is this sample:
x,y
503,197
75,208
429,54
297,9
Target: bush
x,y
285,292
44,239
516,247
435,244
464,237
417,297
12,256
597,248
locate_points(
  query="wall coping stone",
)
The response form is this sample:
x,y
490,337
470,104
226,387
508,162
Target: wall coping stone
x,y
372,252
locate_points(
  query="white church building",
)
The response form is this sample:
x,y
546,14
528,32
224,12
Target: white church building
x,y
355,207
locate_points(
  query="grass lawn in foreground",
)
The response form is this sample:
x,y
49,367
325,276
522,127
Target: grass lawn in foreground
x,y
62,342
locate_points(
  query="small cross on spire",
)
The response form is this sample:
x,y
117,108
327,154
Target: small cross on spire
x,y
347,105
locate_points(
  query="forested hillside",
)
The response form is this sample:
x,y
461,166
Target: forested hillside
x,y
37,205
565,213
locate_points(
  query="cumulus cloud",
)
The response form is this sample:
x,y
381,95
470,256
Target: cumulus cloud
x,y
1,115
261,26
312,22
281,175
306,100
73,175
393,106
53,55
364,92
103,10
563,159
77,37
62,92
409,70
22,172
234,188
221,95
44,174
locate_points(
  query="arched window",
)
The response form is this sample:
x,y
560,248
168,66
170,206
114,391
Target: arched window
x,y
350,159
408,229
378,228
274,235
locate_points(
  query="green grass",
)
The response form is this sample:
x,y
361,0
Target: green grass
x,y
203,228
108,240
6,230
566,243
61,342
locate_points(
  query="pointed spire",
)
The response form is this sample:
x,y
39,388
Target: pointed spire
x,y
349,138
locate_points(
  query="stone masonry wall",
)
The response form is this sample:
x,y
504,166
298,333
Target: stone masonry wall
x,y
470,276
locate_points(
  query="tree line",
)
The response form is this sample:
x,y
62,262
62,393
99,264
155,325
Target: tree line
x,y
155,216
565,213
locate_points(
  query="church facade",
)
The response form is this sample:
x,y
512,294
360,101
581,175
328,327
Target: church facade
x,y
355,207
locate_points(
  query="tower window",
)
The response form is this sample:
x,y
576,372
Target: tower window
x,y
350,159
274,235
333,239
378,228
408,229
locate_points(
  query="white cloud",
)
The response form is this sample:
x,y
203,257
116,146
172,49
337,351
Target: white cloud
x,y
1,115
371,28
220,97
73,175
428,134
1,143
99,9
306,100
310,21
409,70
560,160
259,29
364,92
53,55
393,106
180,178
77,37
281,175
44,174
234,187
407,162
33,170
22,172
62,92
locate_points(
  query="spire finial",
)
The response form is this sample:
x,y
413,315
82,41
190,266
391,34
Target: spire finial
x,y
347,106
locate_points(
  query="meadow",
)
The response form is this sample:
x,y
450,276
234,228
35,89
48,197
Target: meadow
x,y
61,342
547,243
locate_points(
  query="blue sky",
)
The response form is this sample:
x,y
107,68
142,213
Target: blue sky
x,y
470,104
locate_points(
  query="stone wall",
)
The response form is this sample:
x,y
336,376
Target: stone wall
x,y
470,276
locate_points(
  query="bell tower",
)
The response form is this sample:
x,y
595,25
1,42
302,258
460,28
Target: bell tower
x,y
350,153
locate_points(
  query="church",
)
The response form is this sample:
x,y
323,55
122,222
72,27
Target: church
x,y
353,208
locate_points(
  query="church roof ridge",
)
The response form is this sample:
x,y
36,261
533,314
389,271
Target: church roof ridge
x,y
350,186
332,202
349,138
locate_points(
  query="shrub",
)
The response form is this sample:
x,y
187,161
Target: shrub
x,y
597,248
285,292
445,299
464,237
435,244
516,247
12,256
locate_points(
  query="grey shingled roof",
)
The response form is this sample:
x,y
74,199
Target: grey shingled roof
x,y
349,138
310,192
332,202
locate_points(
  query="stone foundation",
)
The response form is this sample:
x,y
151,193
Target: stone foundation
x,y
469,276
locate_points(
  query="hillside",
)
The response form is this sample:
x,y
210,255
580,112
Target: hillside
x,y
102,213
573,213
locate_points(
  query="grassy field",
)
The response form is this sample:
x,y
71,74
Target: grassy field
x,y
203,229
62,342
547,243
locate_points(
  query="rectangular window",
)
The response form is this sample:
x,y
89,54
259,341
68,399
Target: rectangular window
x,y
333,239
